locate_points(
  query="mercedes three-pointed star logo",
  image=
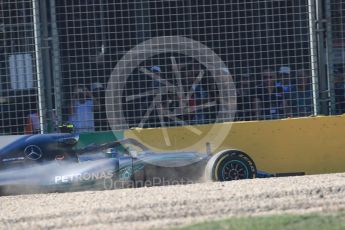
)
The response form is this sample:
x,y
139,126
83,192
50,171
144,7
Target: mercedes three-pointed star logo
x,y
33,152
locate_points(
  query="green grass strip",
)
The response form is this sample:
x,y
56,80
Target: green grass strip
x,y
335,221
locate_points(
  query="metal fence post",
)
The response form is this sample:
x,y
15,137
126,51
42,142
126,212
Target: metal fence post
x,y
324,91
330,56
313,56
46,65
38,58
56,63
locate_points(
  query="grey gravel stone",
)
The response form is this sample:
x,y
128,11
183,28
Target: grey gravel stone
x,y
159,207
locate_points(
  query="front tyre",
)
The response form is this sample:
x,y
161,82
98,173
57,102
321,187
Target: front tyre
x,y
230,165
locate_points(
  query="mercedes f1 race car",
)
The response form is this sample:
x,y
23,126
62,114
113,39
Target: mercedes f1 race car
x,y
52,162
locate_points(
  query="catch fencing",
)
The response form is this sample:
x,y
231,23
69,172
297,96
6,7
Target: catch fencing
x,y
113,65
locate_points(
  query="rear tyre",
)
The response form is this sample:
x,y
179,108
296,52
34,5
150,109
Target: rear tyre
x,y
230,165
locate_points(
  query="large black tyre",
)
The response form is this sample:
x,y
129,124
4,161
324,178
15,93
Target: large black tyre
x,y
230,165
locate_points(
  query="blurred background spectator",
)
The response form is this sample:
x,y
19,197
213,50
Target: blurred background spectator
x,y
287,81
272,103
302,99
247,98
32,125
82,110
100,114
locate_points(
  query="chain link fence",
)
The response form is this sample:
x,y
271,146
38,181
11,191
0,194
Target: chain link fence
x,y
337,46
149,63
18,67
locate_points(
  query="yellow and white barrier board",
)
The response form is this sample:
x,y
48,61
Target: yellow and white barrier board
x,y
312,145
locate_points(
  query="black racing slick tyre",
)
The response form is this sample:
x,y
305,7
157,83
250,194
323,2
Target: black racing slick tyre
x,y
230,165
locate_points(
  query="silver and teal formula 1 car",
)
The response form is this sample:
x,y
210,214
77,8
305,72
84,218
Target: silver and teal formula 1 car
x,y
52,162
